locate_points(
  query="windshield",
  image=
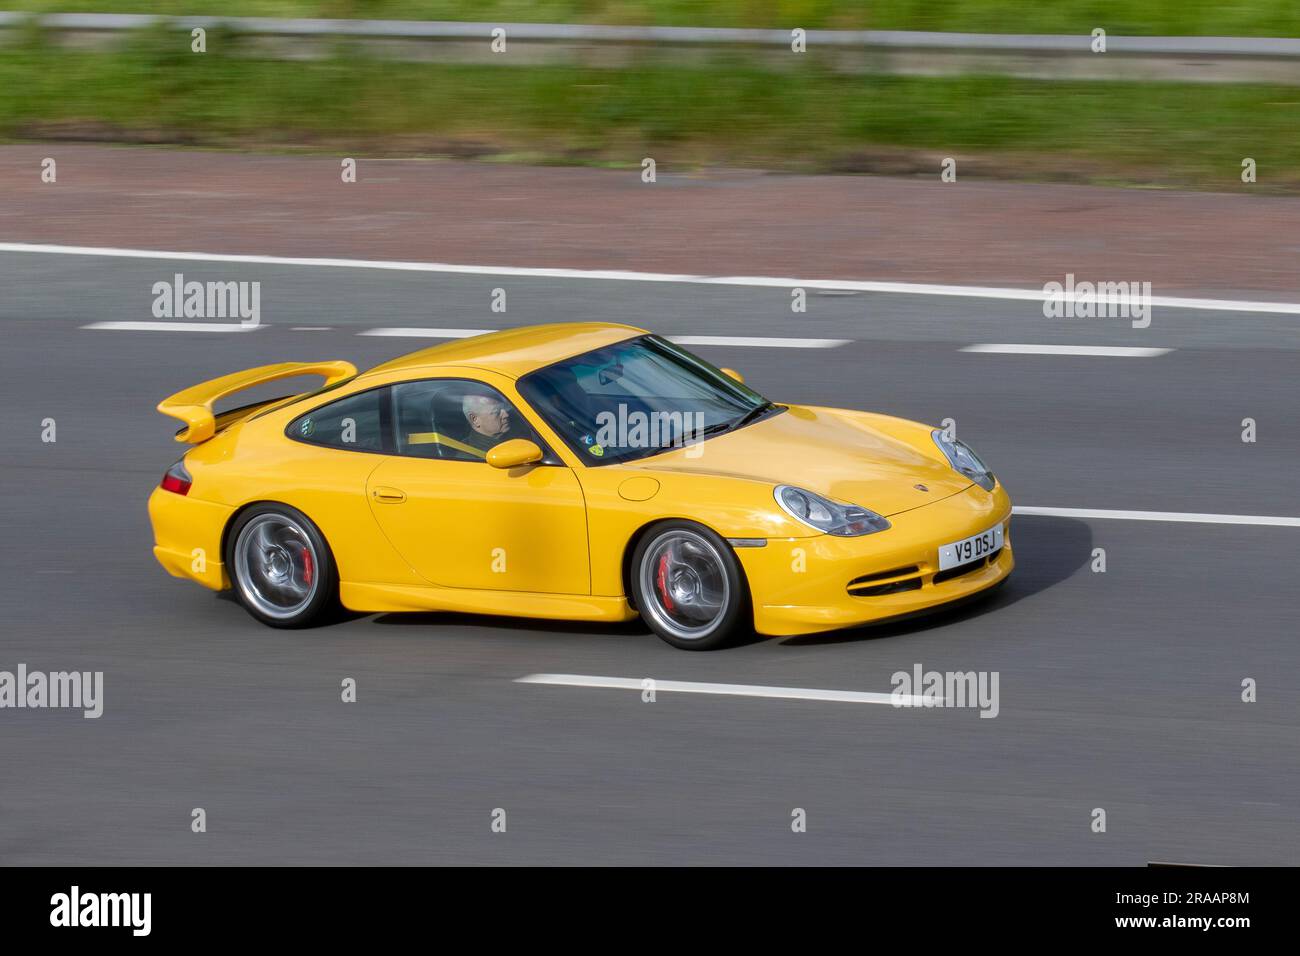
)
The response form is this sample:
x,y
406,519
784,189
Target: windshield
x,y
638,398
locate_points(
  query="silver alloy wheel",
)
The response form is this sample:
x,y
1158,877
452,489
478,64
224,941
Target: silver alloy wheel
x,y
276,569
684,583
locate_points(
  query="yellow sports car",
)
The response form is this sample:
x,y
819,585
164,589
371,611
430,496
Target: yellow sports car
x,y
586,472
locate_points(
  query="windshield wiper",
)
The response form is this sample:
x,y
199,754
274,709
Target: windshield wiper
x,y
756,412
753,414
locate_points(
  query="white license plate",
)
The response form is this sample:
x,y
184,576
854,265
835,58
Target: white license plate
x,y
970,549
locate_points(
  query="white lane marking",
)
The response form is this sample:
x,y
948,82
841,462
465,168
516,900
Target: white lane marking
x,y
729,690
1274,521
426,333
899,288
173,326
740,340
312,328
1113,351
758,342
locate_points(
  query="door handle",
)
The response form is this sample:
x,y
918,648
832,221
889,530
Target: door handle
x,y
389,496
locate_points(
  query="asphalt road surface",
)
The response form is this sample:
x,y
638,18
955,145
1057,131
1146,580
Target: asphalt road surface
x,y
1118,690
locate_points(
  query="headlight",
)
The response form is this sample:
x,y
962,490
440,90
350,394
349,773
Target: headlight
x,y
964,460
822,514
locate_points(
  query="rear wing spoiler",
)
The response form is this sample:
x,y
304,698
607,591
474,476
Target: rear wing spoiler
x,y
193,406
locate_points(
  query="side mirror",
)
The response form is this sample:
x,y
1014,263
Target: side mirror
x,y
513,453
732,373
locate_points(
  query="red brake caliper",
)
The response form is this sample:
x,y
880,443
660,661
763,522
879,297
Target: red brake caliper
x,y
308,569
661,579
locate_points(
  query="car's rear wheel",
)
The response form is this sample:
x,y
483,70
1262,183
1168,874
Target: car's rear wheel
x,y
281,567
688,586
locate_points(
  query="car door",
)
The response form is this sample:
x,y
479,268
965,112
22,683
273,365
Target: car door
x,y
460,522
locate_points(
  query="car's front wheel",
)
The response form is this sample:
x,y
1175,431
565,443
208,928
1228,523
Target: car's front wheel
x,y
688,586
281,567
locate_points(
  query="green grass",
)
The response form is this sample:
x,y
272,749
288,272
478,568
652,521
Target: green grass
x,y
730,113
1175,17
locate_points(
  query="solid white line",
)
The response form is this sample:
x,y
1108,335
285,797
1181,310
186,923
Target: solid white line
x,y
312,328
1114,351
740,340
173,326
729,690
899,288
426,333
755,341
1187,517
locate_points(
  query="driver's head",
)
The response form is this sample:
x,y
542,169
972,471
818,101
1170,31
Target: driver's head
x,y
486,415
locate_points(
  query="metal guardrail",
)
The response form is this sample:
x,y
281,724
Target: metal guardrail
x,y
1195,58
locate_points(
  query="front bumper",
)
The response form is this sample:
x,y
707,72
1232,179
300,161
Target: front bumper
x,y
802,585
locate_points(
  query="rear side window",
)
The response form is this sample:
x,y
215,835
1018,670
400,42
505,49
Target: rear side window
x,y
355,423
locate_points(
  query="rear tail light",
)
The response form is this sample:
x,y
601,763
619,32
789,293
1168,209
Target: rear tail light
x,y
177,479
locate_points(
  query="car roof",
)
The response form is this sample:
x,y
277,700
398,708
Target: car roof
x,y
515,352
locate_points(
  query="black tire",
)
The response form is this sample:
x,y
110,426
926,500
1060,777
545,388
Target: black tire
x,y
688,586
281,567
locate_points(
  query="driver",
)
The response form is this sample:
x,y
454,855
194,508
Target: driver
x,y
488,419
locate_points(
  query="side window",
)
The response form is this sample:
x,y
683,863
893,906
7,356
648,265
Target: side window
x,y
456,419
355,423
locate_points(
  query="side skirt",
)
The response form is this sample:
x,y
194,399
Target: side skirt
x,y
376,598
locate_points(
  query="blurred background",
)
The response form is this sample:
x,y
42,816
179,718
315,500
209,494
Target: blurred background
x,y
1177,114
